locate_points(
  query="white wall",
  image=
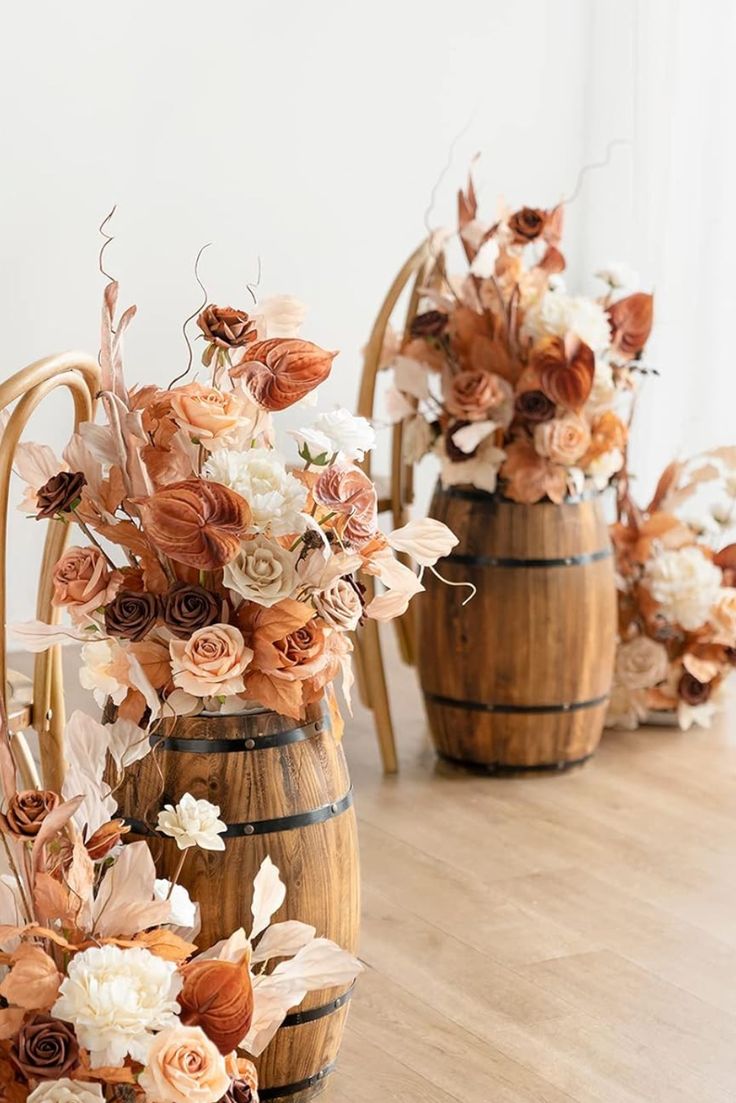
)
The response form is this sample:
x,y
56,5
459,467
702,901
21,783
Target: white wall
x,y
307,133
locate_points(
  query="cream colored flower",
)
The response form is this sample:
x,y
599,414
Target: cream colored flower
x,y
184,1066
562,439
193,823
263,572
685,583
211,663
115,999
338,433
602,468
339,605
626,708
559,313
183,908
619,276
104,671
279,316
275,497
723,617
66,1091
641,663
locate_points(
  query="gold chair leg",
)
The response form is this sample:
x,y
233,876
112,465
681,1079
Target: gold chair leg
x,y
24,761
359,668
376,681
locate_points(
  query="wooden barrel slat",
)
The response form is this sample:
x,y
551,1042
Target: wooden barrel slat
x,y
280,770
518,678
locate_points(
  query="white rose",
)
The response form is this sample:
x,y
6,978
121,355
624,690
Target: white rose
x,y
116,999
263,572
275,497
558,313
340,605
641,663
193,823
66,1091
338,433
103,661
183,908
685,583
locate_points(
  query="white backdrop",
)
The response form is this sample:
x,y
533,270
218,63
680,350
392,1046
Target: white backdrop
x,y
311,134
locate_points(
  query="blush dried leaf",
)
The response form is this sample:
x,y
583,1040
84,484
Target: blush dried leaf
x,y
282,370
33,981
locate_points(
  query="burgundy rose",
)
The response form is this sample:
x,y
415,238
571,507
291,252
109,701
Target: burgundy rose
x,y
59,494
430,324
534,406
46,1048
227,327
692,691
188,607
131,615
527,224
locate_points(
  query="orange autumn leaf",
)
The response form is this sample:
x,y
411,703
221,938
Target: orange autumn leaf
x,y
128,535
529,477
607,432
33,981
282,370
631,323
276,693
155,660
165,944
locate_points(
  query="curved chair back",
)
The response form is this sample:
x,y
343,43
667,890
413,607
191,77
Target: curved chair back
x,y
43,708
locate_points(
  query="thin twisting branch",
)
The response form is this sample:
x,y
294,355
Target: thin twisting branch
x,y
192,316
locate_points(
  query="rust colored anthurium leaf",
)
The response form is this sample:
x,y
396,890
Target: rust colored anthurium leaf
x,y
631,323
282,370
196,522
566,369
218,997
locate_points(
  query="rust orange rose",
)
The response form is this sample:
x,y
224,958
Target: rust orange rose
x,y
196,522
527,224
212,662
218,996
282,370
470,395
529,477
563,439
346,490
565,369
83,582
206,413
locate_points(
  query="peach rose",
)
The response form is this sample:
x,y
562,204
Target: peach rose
x,y
471,394
184,1066
205,412
211,663
563,439
346,490
83,582
723,617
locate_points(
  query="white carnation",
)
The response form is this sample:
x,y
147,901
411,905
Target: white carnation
x,y
116,999
66,1091
338,432
275,497
685,583
193,823
557,313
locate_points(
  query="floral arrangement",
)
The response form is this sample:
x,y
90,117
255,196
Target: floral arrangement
x,y
513,382
211,577
105,995
677,595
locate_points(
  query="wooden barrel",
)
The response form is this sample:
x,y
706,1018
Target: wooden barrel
x,y
519,677
284,791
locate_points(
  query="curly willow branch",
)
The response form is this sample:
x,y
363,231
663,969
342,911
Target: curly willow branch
x,y
192,316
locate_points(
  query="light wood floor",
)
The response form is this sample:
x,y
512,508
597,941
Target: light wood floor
x,y
544,940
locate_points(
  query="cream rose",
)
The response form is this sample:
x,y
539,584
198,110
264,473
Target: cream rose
x,y
723,617
211,663
641,663
83,582
66,1091
562,439
184,1066
263,572
340,605
686,583
205,412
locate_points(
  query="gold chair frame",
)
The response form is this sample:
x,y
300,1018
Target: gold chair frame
x,y
417,271
43,708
